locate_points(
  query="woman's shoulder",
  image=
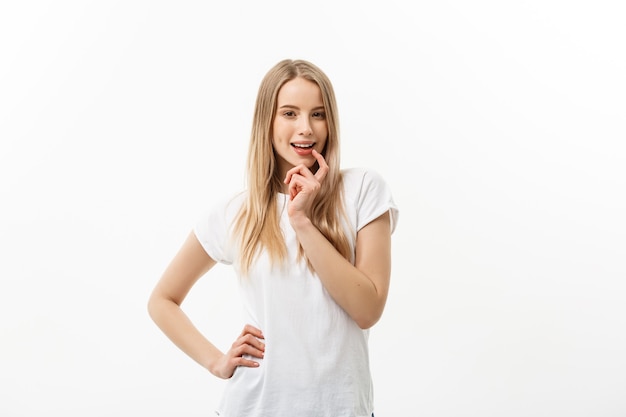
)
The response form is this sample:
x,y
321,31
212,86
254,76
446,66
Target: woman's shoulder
x,y
368,194
225,206
357,178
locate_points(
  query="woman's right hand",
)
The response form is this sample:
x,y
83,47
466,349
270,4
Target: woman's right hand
x,y
248,343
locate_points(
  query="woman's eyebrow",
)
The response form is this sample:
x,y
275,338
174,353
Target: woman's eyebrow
x,y
291,106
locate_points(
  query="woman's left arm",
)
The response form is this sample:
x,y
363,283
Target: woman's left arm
x,y
360,289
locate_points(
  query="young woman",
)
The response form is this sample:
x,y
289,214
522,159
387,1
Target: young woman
x,y
311,244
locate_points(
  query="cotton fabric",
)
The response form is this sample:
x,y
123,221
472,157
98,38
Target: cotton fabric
x,y
316,361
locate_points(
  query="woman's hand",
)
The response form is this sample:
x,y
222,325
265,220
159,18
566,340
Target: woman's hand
x,y
247,343
304,186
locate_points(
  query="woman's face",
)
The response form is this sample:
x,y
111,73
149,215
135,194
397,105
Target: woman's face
x,y
299,125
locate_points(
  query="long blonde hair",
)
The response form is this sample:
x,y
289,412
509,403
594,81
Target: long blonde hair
x,y
257,224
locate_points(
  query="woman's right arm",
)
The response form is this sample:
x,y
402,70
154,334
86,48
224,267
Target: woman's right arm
x,y
190,263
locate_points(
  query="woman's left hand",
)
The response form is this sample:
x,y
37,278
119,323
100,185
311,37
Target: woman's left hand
x,y
304,186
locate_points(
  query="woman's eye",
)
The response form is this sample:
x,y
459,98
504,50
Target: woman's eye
x,y
319,115
289,113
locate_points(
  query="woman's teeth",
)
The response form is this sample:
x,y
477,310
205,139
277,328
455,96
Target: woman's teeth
x,y
301,145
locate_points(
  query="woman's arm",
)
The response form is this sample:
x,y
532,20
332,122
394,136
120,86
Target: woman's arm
x,y
360,289
190,263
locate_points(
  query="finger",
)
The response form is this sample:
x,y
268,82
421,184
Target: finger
x,y
294,184
299,169
246,352
246,342
299,183
245,362
291,173
323,166
250,329
253,341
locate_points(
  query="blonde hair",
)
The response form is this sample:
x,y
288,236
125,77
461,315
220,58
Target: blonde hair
x,y
257,224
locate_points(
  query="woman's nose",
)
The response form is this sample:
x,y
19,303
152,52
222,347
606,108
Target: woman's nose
x,y
305,127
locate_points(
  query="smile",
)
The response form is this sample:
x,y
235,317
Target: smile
x,y
303,145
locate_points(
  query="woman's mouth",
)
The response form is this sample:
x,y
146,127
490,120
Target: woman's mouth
x,y
303,148
303,145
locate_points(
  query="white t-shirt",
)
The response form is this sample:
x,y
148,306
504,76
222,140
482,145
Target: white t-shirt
x,y
316,361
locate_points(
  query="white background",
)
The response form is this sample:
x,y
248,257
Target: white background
x,y
499,125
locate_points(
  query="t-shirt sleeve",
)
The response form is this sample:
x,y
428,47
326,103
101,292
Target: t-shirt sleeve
x,y
374,200
213,231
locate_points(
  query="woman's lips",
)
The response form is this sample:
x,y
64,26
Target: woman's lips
x,y
303,149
